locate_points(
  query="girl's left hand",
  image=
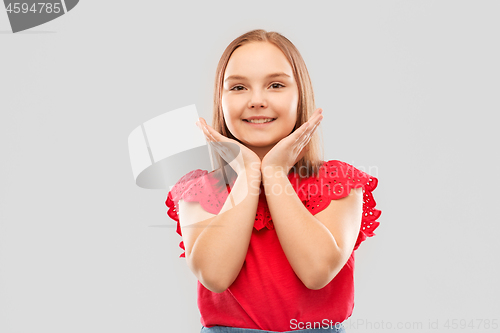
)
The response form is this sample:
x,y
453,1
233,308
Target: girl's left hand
x,y
292,148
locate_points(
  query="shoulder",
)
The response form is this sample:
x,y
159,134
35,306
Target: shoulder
x,y
186,182
199,186
343,168
335,179
195,186
351,176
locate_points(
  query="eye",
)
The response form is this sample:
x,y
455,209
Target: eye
x,y
277,85
235,88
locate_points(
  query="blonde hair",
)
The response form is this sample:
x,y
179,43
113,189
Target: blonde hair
x,y
312,159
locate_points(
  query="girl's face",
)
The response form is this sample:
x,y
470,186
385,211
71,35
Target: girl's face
x,y
259,81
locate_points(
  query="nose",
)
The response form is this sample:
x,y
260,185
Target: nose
x,y
257,100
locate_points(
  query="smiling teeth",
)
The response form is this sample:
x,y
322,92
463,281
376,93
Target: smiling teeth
x,y
259,121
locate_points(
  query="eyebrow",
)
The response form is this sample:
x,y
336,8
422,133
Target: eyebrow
x,y
240,77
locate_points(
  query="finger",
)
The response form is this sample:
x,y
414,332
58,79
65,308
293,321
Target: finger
x,y
304,139
315,119
314,124
218,141
223,143
300,152
210,133
300,132
207,131
316,113
302,143
301,129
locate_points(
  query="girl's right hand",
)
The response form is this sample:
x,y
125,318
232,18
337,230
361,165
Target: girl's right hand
x,y
237,155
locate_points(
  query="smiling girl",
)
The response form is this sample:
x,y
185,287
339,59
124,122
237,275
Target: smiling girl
x,y
275,252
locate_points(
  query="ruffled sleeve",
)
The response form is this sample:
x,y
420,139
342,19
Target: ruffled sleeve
x,y
195,186
335,181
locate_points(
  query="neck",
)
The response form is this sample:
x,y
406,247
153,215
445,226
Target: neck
x,y
260,151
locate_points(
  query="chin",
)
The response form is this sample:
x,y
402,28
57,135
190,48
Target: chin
x,y
258,144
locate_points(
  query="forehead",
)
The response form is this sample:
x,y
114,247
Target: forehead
x,y
257,59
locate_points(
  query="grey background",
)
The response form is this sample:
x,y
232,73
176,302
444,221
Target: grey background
x,y
409,89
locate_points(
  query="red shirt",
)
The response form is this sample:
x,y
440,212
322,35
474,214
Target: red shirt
x,y
267,294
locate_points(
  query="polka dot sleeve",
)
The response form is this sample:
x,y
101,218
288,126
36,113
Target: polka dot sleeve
x,y
335,181
195,186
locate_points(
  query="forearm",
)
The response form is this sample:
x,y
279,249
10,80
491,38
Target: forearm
x,y
220,250
309,246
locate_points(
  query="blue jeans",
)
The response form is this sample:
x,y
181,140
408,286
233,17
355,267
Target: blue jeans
x,y
226,329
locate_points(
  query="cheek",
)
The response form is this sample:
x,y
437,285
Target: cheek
x,y
289,112
223,103
228,105
232,106
288,105
230,116
288,101
294,100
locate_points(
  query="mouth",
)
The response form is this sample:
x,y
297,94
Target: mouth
x,y
260,122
